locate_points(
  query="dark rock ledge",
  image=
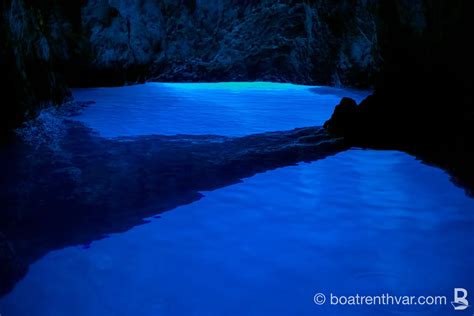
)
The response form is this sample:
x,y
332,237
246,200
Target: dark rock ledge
x,y
437,138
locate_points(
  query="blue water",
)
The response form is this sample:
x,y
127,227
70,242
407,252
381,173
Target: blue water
x,y
227,109
361,222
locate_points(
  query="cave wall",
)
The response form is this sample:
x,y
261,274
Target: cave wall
x,y
33,48
423,95
320,42
48,45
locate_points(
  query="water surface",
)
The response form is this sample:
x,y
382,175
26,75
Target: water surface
x,y
227,109
361,222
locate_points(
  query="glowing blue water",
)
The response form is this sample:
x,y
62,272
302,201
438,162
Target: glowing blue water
x,y
361,222
228,109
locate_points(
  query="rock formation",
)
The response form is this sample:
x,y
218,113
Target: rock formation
x,y
50,44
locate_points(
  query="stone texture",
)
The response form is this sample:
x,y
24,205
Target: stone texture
x,y
33,46
320,43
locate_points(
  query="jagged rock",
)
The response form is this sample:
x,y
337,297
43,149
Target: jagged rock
x,y
344,118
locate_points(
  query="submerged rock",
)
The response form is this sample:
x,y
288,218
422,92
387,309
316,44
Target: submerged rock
x,y
86,187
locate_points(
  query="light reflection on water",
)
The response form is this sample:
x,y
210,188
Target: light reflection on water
x,y
226,109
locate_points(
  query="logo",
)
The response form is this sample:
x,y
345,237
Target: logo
x,y
319,299
460,302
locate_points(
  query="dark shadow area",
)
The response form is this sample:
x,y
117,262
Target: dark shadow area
x,y
423,99
445,145
86,187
